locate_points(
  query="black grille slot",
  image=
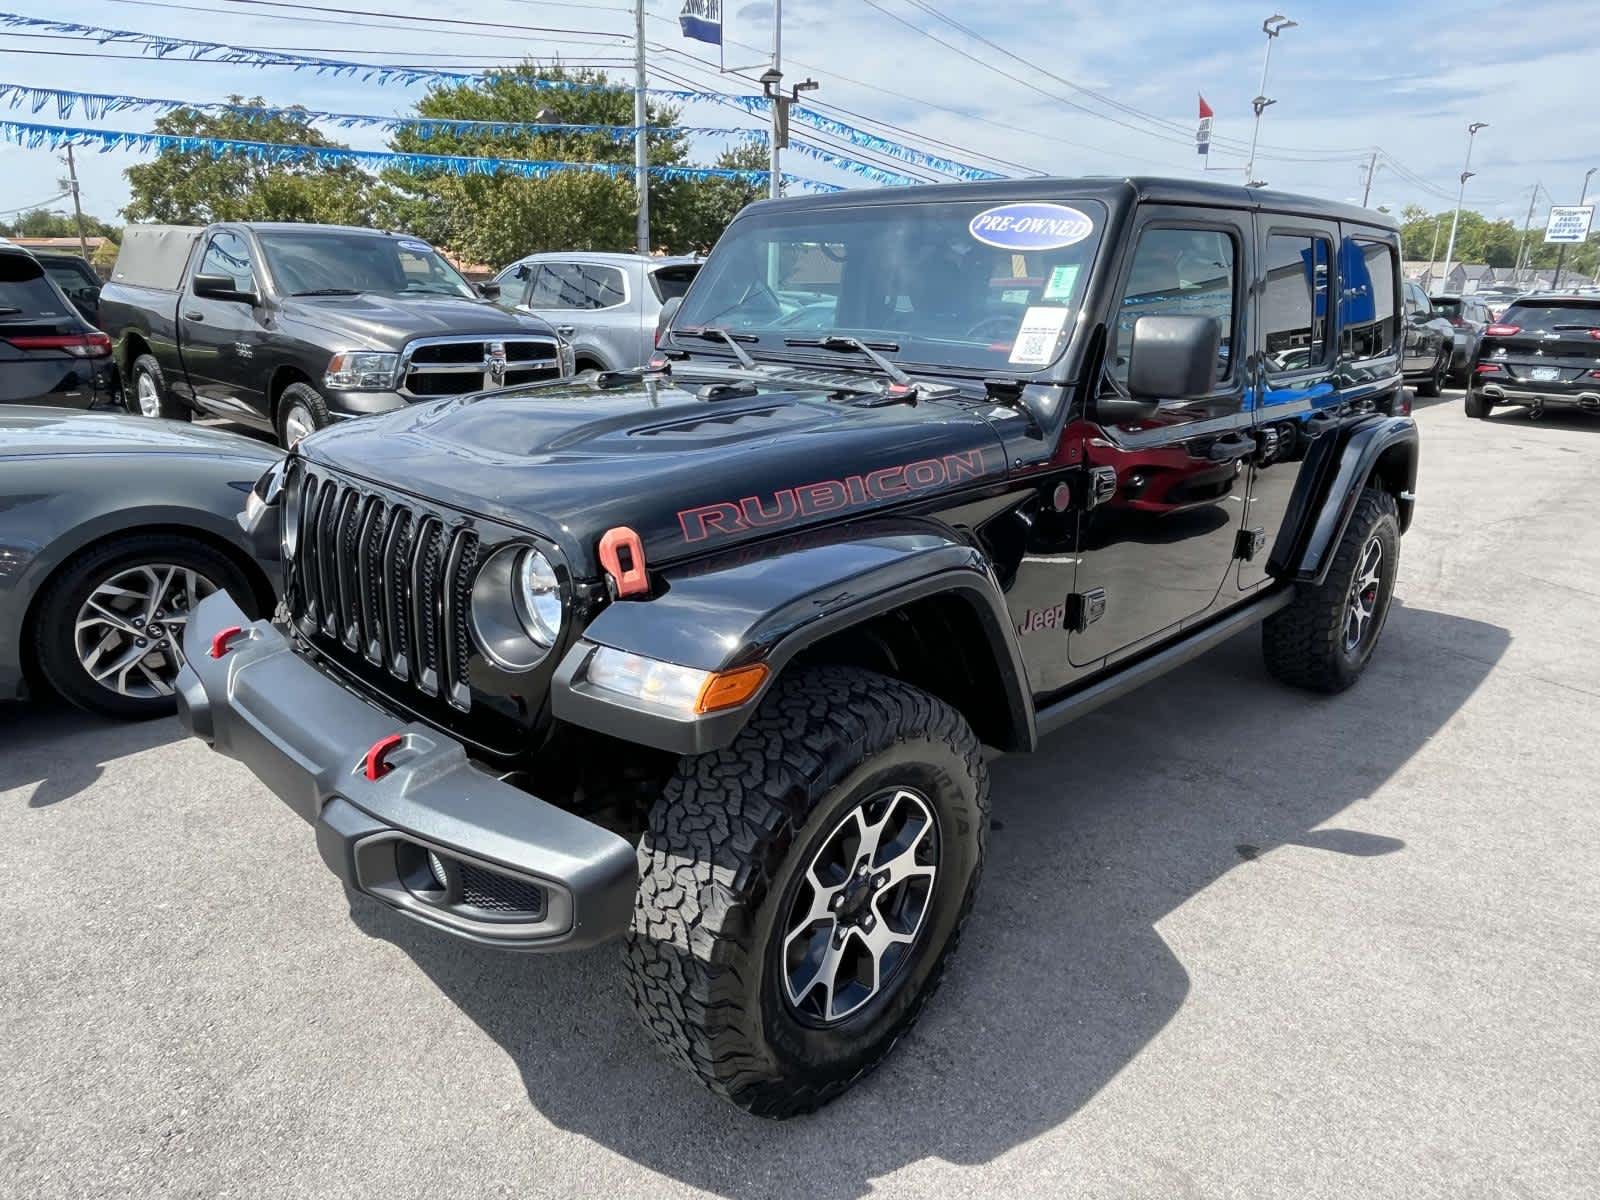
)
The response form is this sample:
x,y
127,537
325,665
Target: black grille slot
x,y
421,384
530,352
497,893
449,352
387,583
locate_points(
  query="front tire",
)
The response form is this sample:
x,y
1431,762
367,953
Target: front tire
x,y
149,396
761,956
1324,639
1433,385
301,411
1478,406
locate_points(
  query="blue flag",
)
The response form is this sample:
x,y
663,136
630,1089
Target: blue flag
x,y
702,20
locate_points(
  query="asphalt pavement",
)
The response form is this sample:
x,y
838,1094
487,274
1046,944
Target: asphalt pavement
x,y
1232,940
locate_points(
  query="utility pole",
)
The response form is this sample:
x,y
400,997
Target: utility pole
x,y
1372,169
1466,174
1561,254
77,204
641,130
1272,27
1527,228
1434,249
780,114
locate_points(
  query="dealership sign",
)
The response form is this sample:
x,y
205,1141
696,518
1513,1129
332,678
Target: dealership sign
x,y
1569,225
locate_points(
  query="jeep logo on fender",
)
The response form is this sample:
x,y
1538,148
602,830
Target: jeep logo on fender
x,y
827,495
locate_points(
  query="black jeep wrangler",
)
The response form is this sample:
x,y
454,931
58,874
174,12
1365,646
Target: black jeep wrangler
x,y
705,658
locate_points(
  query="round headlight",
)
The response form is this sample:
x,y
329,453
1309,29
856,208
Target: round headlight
x,y
539,595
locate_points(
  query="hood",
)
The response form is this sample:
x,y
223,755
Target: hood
x,y
686,474
30,430
378,322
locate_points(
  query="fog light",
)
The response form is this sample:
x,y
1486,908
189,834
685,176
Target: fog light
x,y
437,869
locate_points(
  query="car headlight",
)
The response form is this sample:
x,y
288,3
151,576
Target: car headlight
x,y
367,370
264,493
569,360
516,608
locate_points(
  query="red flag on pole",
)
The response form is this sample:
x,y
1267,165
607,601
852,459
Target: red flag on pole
x,y
1205,109
1202,133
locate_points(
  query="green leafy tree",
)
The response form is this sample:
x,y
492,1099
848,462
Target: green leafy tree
x,y
42,222
191,187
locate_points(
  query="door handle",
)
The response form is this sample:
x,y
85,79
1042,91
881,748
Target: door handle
x,y
566,330
191,315
1235,446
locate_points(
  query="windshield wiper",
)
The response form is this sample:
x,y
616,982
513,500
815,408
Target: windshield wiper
x,y
328,292
716,333
844,342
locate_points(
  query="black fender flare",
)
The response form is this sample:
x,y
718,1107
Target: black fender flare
x,y
768,602
1330,485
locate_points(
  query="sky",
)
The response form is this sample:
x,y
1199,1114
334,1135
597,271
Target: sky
x,y
1350,76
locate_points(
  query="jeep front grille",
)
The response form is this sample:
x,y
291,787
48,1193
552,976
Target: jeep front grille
x,y
386,581
455,366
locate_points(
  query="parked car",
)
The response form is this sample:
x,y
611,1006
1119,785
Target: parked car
x,y
76,279
1496,299
704,658
1429,343
1543,352
1468,317
48,353
112,529
290,328
605,304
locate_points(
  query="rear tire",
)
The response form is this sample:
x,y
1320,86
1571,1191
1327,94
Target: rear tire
x,y
1478,406
732,942
1325,638
1433,385
148,394
301,411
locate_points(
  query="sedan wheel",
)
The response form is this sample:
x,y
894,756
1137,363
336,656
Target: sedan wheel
x,y
129,632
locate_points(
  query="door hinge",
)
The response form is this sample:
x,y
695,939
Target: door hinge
x,y
1251,542
1085,608
1100,486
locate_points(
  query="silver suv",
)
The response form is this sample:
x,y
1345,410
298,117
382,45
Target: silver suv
x,y
604,304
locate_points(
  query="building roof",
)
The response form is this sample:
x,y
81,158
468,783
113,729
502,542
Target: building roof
x,y
59,243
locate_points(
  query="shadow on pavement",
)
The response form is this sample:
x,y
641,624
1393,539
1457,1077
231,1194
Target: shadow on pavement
x,y
1062,978
64,750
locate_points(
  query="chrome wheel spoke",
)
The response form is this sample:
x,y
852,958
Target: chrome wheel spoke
x,y
128,632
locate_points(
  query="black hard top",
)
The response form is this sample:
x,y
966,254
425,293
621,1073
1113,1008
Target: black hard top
x,y
1114,192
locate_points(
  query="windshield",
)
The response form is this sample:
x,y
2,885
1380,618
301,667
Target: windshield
x,y
1567,317
24,290
312,262
971,286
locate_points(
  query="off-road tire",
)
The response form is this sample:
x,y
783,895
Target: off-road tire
x,y
299,395
1433,385
1477,406
1304,643
57,608
167,406
718,863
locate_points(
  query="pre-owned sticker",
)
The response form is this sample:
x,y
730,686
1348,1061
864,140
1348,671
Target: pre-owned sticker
x,y
1030,226
416,246
1041,328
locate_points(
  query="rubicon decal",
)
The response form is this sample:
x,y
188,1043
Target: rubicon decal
x,y
827,495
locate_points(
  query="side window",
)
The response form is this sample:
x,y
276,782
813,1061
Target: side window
x,y
1179,272
599,287
1294,302
1368,306
228,255
552,287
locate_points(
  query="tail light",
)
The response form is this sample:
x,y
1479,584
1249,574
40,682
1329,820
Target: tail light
x,y
1499,330
80,345
1487,369
1594,335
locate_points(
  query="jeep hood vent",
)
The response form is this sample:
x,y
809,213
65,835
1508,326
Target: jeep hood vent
x,y
764,420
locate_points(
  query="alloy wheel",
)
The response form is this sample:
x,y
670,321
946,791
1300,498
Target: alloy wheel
x,y
129,632
297,423
1363,605
144,389
862,903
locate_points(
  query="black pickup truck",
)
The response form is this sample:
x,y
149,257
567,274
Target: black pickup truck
x,y
705,657
289,327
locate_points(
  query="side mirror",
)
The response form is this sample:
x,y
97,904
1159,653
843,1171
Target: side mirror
x,y
221,287
1174,358
489,290
664,318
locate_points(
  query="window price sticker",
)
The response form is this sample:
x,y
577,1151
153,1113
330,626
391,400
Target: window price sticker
x,y
1036,339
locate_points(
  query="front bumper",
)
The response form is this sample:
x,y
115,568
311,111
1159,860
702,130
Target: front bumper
x,y
307,738
1519,393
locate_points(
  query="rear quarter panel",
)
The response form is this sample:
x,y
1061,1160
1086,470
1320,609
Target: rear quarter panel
x,y
139,318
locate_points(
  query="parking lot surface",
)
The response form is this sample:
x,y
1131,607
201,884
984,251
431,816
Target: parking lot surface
x,y
1232,940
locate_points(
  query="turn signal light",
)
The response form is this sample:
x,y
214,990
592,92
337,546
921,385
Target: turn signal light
x,y
1499,330
731,688
79,345
1487,369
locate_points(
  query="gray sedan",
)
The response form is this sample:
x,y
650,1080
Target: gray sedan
x,y
604,304
111,529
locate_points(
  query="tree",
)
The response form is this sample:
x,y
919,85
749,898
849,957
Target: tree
x,y
42,222
696,213
194,187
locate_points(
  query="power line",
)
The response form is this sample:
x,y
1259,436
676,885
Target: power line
x,y
299,20
37,204
421,20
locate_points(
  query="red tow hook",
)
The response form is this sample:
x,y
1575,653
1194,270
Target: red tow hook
x,y
376,762
220,643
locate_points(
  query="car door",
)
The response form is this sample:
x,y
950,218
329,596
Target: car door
x,y
1157,548
1422,338
1297,396
222,340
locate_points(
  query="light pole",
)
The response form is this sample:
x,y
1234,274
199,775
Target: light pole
x,y
1561,254
1272,27
1466,174
641,132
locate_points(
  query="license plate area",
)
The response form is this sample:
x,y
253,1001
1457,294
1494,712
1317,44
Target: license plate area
x,y
1545,374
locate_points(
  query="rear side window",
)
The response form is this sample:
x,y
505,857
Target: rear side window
x,y
1294,302
672,282
1179,272
24,290
1451,308
576,285
228,255
1368,306
1568,317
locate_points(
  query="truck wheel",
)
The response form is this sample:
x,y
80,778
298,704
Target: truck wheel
x,y
1323,640
801,890
149,396
1433,385
301,410
1478,405
110,624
